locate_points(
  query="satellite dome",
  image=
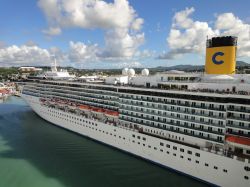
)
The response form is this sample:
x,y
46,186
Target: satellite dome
x,y
125,71
145,72
131,72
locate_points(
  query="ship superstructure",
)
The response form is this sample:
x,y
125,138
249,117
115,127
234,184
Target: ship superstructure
x,y
194,123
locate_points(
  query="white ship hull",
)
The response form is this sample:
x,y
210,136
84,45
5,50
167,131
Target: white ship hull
x,y
208,167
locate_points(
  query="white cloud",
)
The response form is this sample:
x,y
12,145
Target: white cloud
x,y
80,52
52,31
119,43
232,25
118,19
186,35
129,64
189,36
23,55
181,19
78,55
137,24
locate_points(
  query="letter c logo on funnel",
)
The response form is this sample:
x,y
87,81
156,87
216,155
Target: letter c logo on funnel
x,y
214,58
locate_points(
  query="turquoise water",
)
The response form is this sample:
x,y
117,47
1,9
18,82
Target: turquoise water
x,y
34,153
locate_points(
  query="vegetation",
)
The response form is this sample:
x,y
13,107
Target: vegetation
x,y
12,73
7,73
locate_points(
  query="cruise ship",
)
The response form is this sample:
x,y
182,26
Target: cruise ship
x,y
197,124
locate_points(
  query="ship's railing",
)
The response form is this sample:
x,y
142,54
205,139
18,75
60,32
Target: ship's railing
x,y
174,123
107,121
226,153
168,109
216,91
91,116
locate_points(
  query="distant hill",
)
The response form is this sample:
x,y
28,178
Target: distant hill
x,y
239,64
242,64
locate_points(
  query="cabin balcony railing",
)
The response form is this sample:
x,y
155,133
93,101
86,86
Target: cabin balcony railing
x,y
238,127
175,125
175,111
189,106
180,132
178,119
239,118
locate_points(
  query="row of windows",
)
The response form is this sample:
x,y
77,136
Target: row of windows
x,y
167,117
181,156
181,149
161,106
144,139
179,129
171,98
238,124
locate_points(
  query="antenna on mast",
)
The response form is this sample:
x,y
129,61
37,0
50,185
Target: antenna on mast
x,y
54,66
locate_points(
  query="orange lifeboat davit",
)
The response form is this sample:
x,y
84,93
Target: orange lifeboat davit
x,y
238,141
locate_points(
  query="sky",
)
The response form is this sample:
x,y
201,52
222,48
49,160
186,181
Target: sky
x,y
118,33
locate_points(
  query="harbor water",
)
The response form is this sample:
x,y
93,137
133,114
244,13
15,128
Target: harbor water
x,y
35,153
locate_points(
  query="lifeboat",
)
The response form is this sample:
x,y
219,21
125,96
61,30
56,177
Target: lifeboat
x,y
112,113
238,141
83,107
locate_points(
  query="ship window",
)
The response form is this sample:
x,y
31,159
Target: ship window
x,y
190,152
133,135
167,145
155,148
247,168
182,150
161,144
197,162
161,150
149,146
197,154
175,148
174,154
225,170
144,139
167,152
246,177
206,164
181,156
189,159
138,137
215,167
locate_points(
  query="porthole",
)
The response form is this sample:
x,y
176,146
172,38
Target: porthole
x,y
197,154
247,168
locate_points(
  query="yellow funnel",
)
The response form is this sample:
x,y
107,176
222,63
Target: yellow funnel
x,y
221,55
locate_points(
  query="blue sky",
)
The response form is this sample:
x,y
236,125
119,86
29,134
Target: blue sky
x,y
25,23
